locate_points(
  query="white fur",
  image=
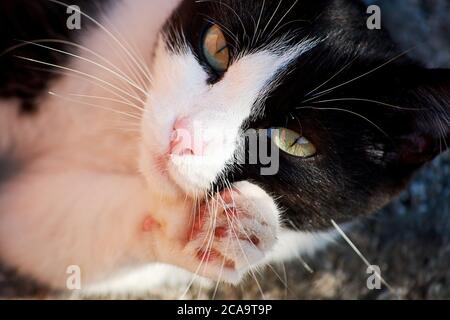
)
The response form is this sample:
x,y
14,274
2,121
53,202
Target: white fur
x,y
86,185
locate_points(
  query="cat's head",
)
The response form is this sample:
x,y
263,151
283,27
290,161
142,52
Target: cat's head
x,y
355,117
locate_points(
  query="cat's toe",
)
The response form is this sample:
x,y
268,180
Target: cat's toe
x,y
233,232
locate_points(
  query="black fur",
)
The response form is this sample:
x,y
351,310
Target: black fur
x,y
368,151
32,20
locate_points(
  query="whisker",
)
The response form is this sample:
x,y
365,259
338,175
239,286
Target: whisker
x,y
285,279
273,16
81,47
82,73
442,134
107,99
192,213
369,101
234,12
133,116
211,232
73,75
139,75
359,253
330,79
200,265
91,62
350,112
231,225
234,220
282,18
258,23
222,267
195,276
97,23
288,23
224,29
360,76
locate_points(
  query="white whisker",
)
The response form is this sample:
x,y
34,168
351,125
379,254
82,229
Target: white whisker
x,y
84,74
258,23
330,79
107,99
273,16
369,101
109,33
133,116
119,76
144,77
360,76
359,253
234,12
350,112
95,83
84,48
282,18
230,224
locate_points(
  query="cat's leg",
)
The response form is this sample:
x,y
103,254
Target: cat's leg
x,y
51,221
232,232
104,222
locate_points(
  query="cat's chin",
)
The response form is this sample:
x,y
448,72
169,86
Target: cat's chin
x,y
189,176
193,174
164,177
189,186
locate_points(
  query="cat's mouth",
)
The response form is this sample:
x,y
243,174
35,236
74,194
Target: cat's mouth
x,y
191,174
180,172
187,155
162,163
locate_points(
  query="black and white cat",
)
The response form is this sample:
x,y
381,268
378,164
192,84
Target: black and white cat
x,y
98,166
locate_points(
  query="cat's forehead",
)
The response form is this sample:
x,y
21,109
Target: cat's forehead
x,y
248,25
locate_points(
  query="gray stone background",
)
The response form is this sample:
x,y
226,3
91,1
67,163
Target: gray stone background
x,y
409,240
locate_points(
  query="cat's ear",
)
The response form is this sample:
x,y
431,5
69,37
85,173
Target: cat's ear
x,y
422,130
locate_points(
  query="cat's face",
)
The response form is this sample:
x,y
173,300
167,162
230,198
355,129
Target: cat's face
x,y
205,89
354,117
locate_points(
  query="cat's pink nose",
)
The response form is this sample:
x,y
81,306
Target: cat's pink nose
x,y
184,140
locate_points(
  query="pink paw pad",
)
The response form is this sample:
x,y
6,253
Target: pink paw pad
x,y
212,256
255,240
221,232
150,224
227,196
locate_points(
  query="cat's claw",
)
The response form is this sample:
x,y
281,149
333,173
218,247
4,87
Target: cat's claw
x,y
233,232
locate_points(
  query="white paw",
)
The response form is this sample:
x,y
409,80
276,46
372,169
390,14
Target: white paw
x,y
233,232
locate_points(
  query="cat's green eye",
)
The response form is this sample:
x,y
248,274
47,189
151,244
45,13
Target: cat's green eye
x,y
215,49
293,143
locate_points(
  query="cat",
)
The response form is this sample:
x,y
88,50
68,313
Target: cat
x,y
133,149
